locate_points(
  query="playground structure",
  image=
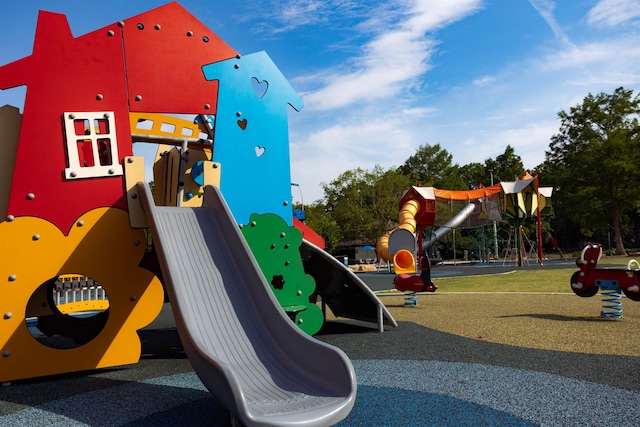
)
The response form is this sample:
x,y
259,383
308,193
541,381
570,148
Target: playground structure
x,y
587,281
424,207
241,273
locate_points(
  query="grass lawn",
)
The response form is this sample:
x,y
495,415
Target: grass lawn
x,y
538,280
515,281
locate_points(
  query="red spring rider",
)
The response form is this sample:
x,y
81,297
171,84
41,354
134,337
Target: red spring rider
x,y
589,279
415,282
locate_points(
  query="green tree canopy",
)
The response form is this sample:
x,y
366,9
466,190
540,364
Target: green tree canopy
x,y
506,167
593,162
432,166
364,203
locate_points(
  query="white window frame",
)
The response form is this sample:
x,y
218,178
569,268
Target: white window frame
x,y
75,169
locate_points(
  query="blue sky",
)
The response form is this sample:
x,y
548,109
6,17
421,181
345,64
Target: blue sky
x,y
381,78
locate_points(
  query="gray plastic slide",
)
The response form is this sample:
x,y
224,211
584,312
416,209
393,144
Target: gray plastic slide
x,y
242,345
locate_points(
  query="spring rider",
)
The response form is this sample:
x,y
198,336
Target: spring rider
x,y
612,282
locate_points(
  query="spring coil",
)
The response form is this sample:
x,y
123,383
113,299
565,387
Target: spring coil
x,y
411,299
612,299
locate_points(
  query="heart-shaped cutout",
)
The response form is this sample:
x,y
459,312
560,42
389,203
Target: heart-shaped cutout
x,y
242,123
260,151
259,87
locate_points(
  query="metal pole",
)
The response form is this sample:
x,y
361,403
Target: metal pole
x,y
293,184
495,230
540,256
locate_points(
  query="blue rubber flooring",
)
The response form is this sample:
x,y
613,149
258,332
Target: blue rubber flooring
x,y
390,393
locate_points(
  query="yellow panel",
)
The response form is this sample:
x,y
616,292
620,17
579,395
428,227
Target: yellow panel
x,y
10,120
88,305
100,245
133,174
211,177
212,172
160,127
522,208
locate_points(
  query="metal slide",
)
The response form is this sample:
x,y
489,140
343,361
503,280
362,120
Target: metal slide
x,y
450,225
244,348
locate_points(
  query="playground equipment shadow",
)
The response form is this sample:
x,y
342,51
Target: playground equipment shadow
x,y
454,360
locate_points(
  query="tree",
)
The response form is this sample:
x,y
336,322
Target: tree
x,y
594,159
473,174
431,166
364,203
322,223
506,167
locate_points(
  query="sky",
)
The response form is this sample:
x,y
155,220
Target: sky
x,y
380,78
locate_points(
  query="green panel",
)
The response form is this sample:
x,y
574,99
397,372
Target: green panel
x,y
276,247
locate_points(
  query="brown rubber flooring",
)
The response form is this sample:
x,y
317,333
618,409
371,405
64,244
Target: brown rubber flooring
x,y
555,333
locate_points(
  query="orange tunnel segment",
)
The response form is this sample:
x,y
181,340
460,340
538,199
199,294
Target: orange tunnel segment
x,y
404,262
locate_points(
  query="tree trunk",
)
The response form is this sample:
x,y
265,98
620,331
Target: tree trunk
x,y
617,234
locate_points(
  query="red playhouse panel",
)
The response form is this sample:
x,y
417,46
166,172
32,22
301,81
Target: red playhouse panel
x,y
56,165
426,213
308,233
165,50
66,74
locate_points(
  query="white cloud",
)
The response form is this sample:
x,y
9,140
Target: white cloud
x,y
393,59
597,65
515,103
484,80
324,153
545,8
611,13
279,16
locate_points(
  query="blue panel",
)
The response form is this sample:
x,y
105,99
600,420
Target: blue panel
x,y
252,136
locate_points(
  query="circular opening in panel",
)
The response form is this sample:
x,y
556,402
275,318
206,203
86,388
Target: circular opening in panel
x,y
67,311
